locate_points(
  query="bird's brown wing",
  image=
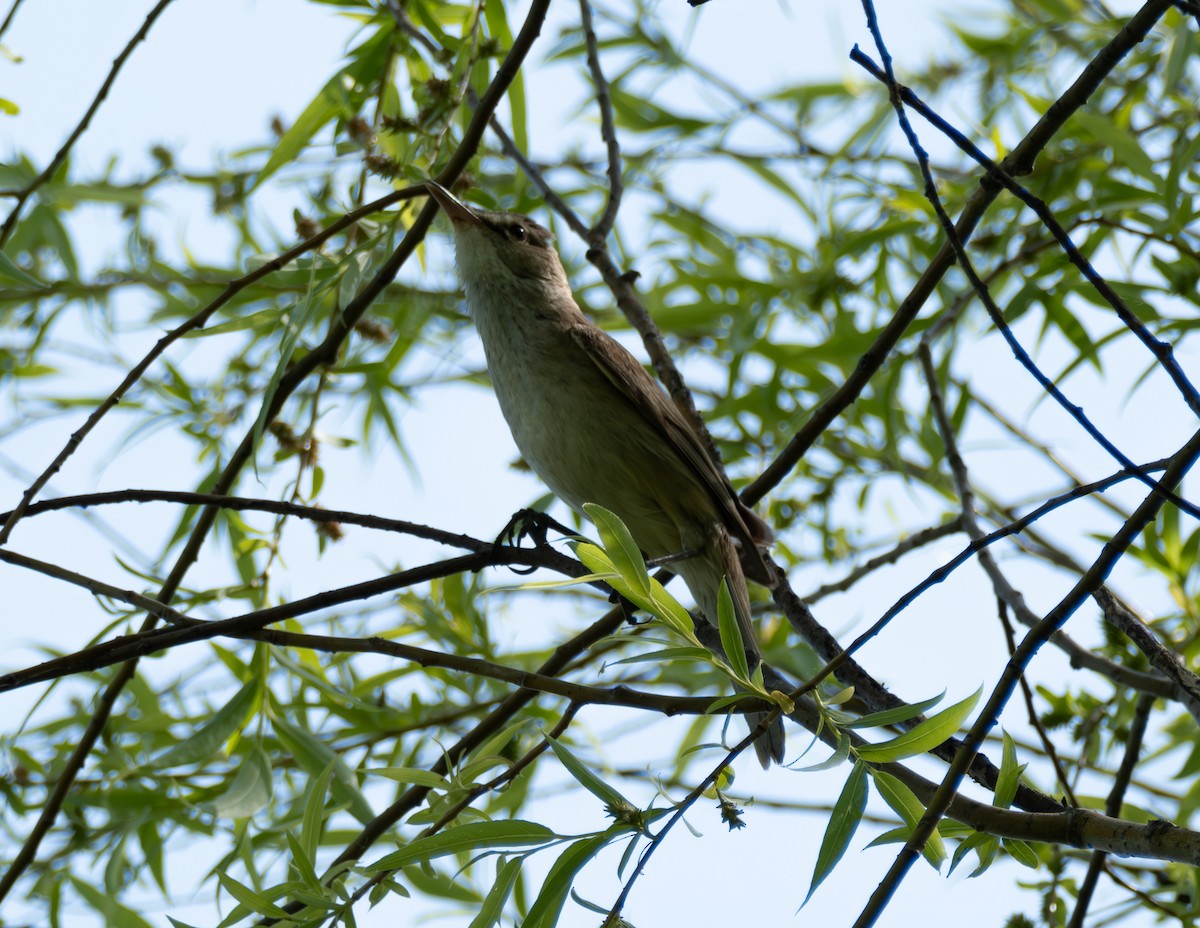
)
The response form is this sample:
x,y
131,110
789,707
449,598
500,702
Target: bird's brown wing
x,y
632,382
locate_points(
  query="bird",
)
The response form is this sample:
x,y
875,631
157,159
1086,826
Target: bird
x,y
596,427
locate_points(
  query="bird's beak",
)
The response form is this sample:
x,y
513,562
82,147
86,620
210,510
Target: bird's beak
x,y
458,212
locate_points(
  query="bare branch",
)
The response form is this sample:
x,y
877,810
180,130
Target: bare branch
x,y
1161,658
608,129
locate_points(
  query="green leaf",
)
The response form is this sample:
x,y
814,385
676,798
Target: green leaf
x,y
413,775
897,715
313,819
303,862
665,654
152,851
338,98
213,734
546,908
9,270
731,635
839,755
115,914
905,804
847,813
985,846
497,23
256,902
473,836
250,789
1126,147
493,903
1009,777
658,602
314,755
588,780
1021,852
620,547
924,737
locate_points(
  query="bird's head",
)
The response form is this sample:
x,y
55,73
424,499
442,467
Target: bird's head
x,y
500,250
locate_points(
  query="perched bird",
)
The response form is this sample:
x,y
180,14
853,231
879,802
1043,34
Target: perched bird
x,y
594,425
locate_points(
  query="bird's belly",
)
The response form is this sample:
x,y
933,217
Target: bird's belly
x,y
589,445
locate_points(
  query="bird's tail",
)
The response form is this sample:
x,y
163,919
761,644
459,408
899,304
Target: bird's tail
x,y
703,576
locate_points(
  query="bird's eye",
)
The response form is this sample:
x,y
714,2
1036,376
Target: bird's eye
x,y
517,232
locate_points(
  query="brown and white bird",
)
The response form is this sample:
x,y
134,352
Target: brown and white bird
x,y
594,425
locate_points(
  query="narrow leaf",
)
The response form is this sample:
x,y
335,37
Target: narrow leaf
x,y
413,775
897,715
1021,852
473,836
10,270
212,735
1009,777
905,804
622,550
546,908
847,813
250,789
731,636
588,780
924,737
313,819
493,903
257,902
314,755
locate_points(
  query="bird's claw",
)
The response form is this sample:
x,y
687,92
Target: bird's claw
x,y
628,609
532,524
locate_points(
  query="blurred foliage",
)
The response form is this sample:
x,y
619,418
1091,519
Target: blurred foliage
x,y
274,758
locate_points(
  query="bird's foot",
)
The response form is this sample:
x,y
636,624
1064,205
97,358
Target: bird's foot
x,y
531,524
668,559
628,609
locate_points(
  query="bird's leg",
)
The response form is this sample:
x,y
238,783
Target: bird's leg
x,y
628,609
529,523
667,560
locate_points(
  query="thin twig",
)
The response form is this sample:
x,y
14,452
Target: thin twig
x,y
61,155
1162,351
244,504
1048,748
993,310
914,541
1112,806
12,12
1008,596
608,129
187,630
1161,687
